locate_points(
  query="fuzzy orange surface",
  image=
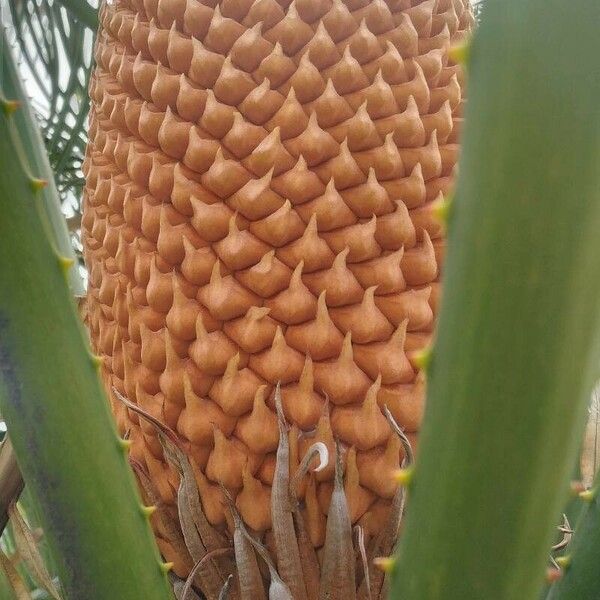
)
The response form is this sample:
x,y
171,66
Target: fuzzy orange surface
x,y
259,181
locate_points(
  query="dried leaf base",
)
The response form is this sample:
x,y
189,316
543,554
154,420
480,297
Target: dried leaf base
x,y
236,563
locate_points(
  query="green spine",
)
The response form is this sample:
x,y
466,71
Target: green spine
x,y
52,399
517,345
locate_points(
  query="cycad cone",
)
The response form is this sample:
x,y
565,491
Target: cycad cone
x,y
260,176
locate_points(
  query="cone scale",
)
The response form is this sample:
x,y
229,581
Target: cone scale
x,y
258,210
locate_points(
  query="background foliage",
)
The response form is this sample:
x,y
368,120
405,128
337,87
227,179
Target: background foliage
x,y
53,41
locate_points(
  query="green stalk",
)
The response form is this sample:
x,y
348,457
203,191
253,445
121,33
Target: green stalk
x,y
517,347
6,591
581,576
33,147
53,402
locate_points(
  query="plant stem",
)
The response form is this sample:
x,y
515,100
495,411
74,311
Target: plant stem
x,y
54,405
33,147
518,340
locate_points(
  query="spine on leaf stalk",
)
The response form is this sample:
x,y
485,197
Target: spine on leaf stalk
x,y
518,341
579,576
50,392
37,159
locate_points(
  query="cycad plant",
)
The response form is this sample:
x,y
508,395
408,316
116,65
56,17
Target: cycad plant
x,y
508,374
261,178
